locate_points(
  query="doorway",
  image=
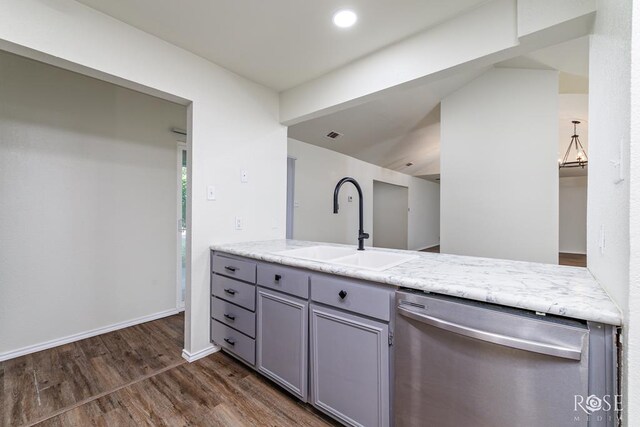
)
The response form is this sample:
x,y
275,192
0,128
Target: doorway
x,y
390,215
182,225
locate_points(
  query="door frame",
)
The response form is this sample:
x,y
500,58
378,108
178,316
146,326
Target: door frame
x,y
180,303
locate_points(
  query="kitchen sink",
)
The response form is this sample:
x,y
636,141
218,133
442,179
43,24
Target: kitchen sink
x,y
350,257
318,253
374,260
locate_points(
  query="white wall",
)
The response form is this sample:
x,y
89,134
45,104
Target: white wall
x,y
390,215
633,315
536,15
608,205
499,170
233,126
88,188
318,170
573,215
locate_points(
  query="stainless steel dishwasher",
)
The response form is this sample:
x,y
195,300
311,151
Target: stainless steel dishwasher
x,y
464,363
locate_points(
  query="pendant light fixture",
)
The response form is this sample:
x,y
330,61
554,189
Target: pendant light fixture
x,y
581,159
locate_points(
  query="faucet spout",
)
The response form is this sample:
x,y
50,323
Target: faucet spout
x,y
361,234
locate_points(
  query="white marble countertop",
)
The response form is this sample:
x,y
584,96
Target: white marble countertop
x,y
565,291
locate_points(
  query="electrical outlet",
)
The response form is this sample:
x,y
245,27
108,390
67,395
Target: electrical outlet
x,y
211,192
238,223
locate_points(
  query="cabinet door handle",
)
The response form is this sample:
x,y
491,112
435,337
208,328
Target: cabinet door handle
x,y
230,341
230,291
230,268
342,294
278,277
230,316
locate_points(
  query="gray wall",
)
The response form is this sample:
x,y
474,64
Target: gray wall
x,y
89,217
390,215
573,214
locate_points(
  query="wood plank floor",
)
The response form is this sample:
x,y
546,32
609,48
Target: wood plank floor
x,y
136,376
573,260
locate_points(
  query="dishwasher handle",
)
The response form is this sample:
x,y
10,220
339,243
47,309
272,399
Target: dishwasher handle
x,y
503,340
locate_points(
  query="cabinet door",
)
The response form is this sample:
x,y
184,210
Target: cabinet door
x,y
282,340
350,367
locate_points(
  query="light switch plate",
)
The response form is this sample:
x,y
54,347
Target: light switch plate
x,y
244,176
211,192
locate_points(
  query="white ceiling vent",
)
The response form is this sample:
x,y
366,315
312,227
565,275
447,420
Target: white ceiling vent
x,y
333,135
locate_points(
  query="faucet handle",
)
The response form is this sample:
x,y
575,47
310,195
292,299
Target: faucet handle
x,y
364,235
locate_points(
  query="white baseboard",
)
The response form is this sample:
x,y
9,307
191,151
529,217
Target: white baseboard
x,y
192,357
82,335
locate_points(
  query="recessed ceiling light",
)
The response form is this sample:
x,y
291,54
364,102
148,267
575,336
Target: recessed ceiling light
x,y
345,18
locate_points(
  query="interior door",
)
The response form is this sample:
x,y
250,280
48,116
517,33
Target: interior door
x,y
390,215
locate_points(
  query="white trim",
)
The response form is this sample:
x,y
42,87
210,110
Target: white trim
x,y
83,335
192,357
180,303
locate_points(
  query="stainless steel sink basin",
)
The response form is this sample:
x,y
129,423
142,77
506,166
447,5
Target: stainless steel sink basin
x,y
350,257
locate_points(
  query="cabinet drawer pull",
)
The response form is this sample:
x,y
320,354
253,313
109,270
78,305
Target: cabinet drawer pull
x,y
230,268
230,341
278,277
230,291
230,316
342,294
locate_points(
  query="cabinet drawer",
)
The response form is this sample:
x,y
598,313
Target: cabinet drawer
x,y
284,279
231,315
234,341
362,298
233,267
239,293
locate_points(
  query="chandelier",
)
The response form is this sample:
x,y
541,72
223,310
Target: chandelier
x,y
581,159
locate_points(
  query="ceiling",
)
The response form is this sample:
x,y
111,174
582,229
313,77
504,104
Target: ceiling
x,y
570,58
280,43
389,132
404,127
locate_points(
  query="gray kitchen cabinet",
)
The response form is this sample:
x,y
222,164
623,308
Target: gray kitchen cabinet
x,y
233,301
282,340
350,367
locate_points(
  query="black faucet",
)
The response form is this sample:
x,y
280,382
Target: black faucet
x,y
361,234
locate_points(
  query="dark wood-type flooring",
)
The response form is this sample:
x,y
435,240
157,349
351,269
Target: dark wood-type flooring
x,y
573,260
136,376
